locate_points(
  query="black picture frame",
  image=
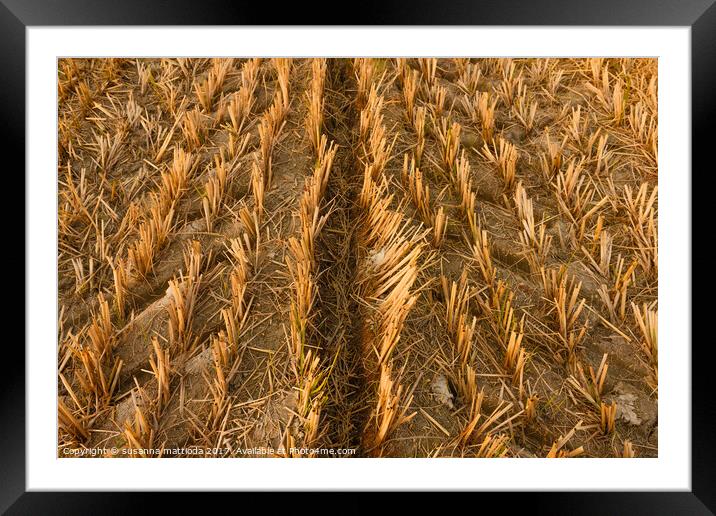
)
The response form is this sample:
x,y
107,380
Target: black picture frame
x,y
700,15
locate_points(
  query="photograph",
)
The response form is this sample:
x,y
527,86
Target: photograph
x,y
357,257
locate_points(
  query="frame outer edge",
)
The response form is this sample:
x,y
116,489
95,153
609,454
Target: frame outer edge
x,y
12,381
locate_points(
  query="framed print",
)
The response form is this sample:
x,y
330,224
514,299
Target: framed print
x,y
417,257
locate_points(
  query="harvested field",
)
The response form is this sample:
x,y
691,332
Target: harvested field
x,y
393,257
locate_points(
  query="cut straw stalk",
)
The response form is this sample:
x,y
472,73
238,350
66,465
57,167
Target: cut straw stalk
x,y
525,110
70,424
139,434
182,301
536,242
504,156
469,76
648,321
119,276
457,299
607,417
301,261
558,452
615,298
449,138
482,256
207,89
314,117
591,387
551,160
440,223
312,397
238,280
364,71
159,364
97,374
641,208
214,191
392,408
478,424
419,192
515,357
